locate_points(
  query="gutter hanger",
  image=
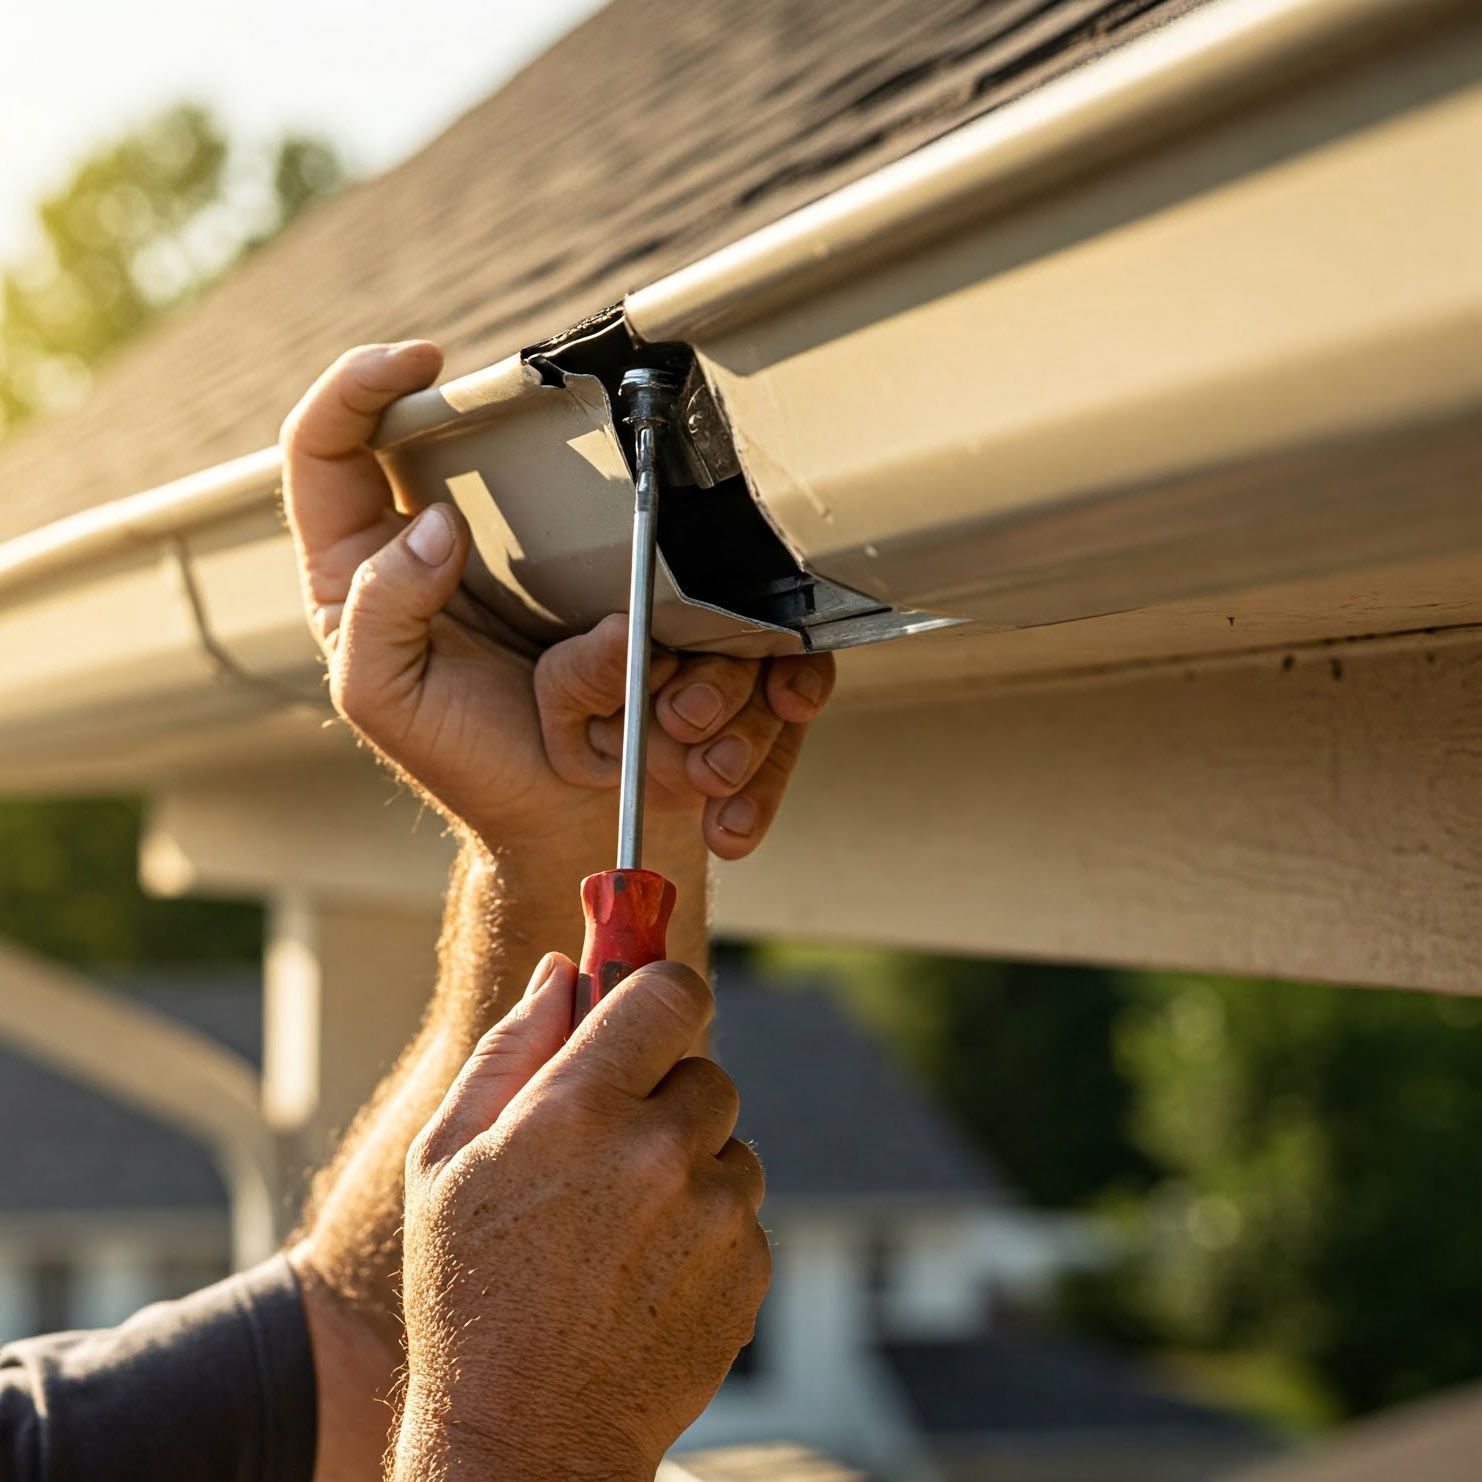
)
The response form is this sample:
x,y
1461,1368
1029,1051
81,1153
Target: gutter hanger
x,y
140,521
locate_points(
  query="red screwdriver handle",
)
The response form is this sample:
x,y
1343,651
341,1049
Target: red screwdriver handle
x,y
627,915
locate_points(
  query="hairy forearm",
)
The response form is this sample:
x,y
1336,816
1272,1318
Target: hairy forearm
x,y
506,907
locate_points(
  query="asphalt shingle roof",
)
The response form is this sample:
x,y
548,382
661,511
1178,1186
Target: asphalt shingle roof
x,y
832,1115
68,1148
650,136
1009,1383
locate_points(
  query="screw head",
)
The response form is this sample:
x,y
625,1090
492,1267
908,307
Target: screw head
x,y
647,377
649,391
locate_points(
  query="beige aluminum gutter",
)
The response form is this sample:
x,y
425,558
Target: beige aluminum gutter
x,y
1193,67
241,484
1251,354
1031,373
140,520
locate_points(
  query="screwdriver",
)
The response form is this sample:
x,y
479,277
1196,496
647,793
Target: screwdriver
x,y
627,910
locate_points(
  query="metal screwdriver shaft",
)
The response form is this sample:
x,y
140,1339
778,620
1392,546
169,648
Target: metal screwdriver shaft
x,y
627,909
647,393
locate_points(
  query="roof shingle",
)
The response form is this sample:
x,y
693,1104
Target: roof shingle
x,y
649,136
832,1115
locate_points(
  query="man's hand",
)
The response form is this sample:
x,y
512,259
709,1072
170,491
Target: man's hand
x,y
513,749
583,1259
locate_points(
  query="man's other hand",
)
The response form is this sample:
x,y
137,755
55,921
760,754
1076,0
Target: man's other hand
x,y
582,1254
509,747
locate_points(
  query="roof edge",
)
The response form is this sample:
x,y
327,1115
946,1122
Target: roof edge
x,y
1194,66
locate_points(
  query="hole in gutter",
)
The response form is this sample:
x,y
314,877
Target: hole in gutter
x,y
715,538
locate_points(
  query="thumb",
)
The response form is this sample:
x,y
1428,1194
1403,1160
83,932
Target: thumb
x,y
382,638
505,1058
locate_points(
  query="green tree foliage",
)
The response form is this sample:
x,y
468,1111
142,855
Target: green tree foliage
x,y
1289,1169
69,889
140,228
1320,1201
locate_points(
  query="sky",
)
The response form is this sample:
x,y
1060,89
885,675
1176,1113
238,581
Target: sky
x,y
376,77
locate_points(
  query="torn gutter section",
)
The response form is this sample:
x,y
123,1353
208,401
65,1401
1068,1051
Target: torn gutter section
x,y
534,456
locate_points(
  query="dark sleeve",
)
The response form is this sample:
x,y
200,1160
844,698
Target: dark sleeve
x,y
218,1387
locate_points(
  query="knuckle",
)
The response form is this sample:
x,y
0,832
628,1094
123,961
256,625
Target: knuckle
x,y
761,1261
715,1085
565,677
739,1204
377,589
570,1100
345,688
350,361
612,630
728,1210
661,1158
547,677
368,585
748,1164
349,690
726,1095
291,431
352,373
679,989
420,1160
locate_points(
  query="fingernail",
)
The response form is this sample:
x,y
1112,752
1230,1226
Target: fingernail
x,y
431,536
400,348
545,970
730,759
807,683
699,704
738,817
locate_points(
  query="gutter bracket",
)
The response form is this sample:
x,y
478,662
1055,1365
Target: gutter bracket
x,y
177,551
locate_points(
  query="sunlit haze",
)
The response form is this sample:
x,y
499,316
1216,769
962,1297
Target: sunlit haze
x,y
376,77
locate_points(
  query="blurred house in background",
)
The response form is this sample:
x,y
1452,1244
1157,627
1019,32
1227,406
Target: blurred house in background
x,y
891,1338
103,1209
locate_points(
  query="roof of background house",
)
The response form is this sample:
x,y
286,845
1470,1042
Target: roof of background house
x,y
648,137
833,1116
1002,1384
1439,1439
756,1464
67,1148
